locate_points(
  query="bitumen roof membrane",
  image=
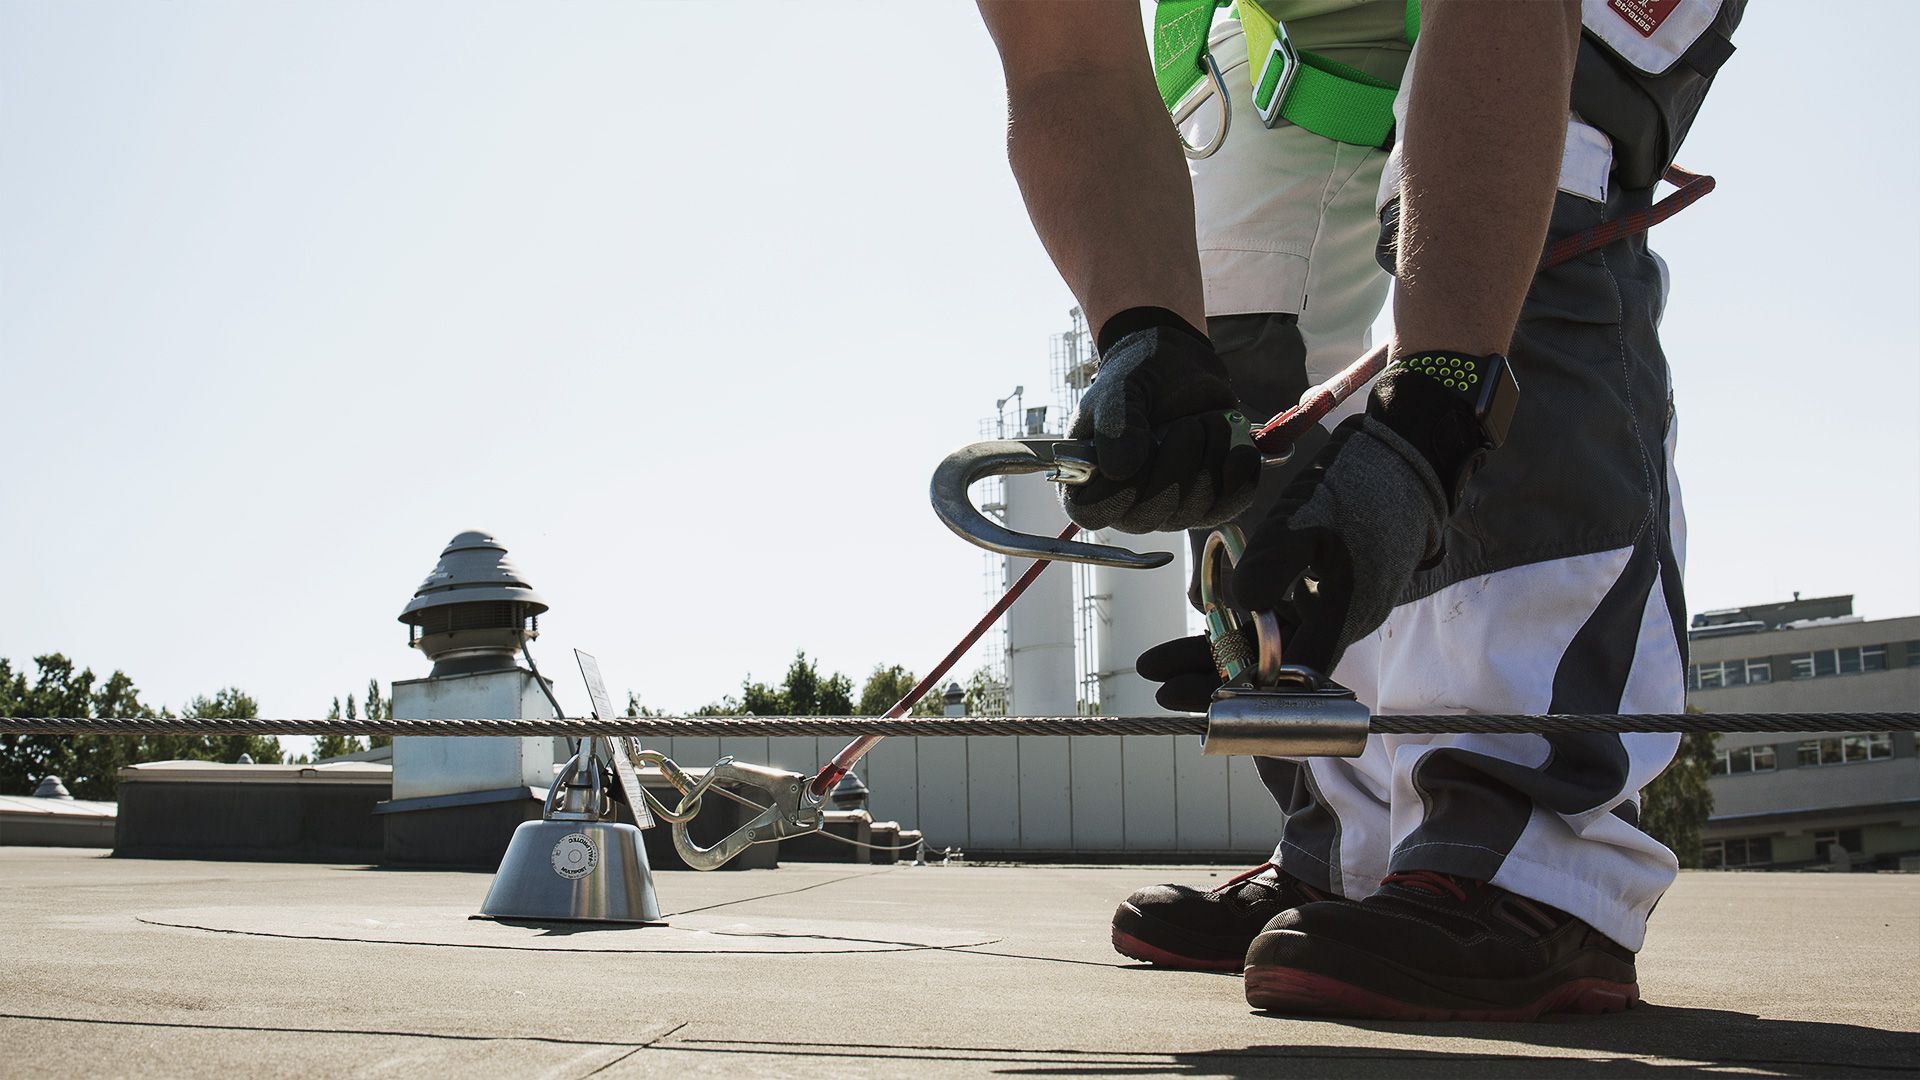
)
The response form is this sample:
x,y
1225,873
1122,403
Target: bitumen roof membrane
x,y
124,967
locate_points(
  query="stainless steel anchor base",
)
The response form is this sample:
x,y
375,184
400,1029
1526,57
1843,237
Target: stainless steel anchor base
x,y
578,863
586,871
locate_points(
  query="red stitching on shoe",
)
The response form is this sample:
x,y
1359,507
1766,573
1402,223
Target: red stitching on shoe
x,y
1245,875
1431,882
1547,922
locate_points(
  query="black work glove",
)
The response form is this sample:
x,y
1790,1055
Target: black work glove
x,y
1184,669
1164,453
1348,534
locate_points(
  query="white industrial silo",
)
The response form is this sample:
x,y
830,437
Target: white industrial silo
x,y
1136,610
1040,660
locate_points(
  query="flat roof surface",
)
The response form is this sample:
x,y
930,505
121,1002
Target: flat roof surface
x,y
135,967
354,771
34,807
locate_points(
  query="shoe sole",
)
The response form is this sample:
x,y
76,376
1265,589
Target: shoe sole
x,y
1133,948
1307,993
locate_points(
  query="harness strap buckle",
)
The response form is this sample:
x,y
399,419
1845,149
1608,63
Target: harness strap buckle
x,y
1277,74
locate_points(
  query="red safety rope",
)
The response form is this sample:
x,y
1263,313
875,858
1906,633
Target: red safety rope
x,y
1690,187
843,762
1279,435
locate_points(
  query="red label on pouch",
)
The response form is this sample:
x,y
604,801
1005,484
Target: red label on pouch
x,y
1644,15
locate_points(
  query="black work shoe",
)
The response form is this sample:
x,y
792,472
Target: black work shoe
x,y
1431,946
1179,927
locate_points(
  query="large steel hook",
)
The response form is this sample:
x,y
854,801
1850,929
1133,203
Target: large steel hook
x,y
1069,461
786,814
1065,461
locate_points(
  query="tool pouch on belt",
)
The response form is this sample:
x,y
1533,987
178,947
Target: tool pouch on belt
x,y
1643,70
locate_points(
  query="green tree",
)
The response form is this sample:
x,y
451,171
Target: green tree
x,y
986,696
804,692
56,690
378,708
1674,808
726,706
228,704
90,764
331,745
887,685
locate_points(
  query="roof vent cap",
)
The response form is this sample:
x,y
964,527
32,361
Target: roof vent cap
x,y
474,610
51,788
850,793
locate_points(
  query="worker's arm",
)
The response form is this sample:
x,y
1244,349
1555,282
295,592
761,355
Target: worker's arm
x,y
1486,124
1100,167
1097,160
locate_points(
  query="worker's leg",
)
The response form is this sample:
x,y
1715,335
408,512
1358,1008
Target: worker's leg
x,y
1514,864
1560,592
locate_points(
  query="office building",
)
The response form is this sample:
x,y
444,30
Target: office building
x,y
1794,801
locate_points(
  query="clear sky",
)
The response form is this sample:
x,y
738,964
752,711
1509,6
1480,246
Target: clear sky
x,y
685,302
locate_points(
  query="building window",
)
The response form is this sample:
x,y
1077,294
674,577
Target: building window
x,y
1721,674
1913,654
1848,661
1824,842
1745,759
1752,851
1847,749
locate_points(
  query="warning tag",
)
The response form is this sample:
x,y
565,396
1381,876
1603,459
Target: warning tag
x,y
1644,16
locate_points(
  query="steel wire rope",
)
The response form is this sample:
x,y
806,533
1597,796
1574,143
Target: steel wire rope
x,y
755,726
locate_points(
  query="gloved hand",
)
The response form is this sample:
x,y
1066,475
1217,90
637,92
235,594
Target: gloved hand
x,y
1347,536
1184,668
1164,458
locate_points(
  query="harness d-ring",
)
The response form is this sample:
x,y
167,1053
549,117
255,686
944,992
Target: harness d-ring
x,y
1239,645
1216,87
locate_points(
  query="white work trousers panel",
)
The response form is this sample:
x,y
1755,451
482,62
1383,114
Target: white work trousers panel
x,y
1495,644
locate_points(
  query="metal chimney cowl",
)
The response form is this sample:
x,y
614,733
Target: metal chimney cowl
x,y
474,610
51,788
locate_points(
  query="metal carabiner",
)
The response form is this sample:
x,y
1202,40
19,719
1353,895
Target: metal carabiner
x,y
690,789
787,814
1240,644
1216,87
1264,707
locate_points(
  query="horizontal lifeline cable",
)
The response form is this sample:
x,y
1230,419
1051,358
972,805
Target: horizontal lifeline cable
x,y
662,727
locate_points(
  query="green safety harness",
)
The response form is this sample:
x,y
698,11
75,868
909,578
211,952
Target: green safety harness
x,y
1305,89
